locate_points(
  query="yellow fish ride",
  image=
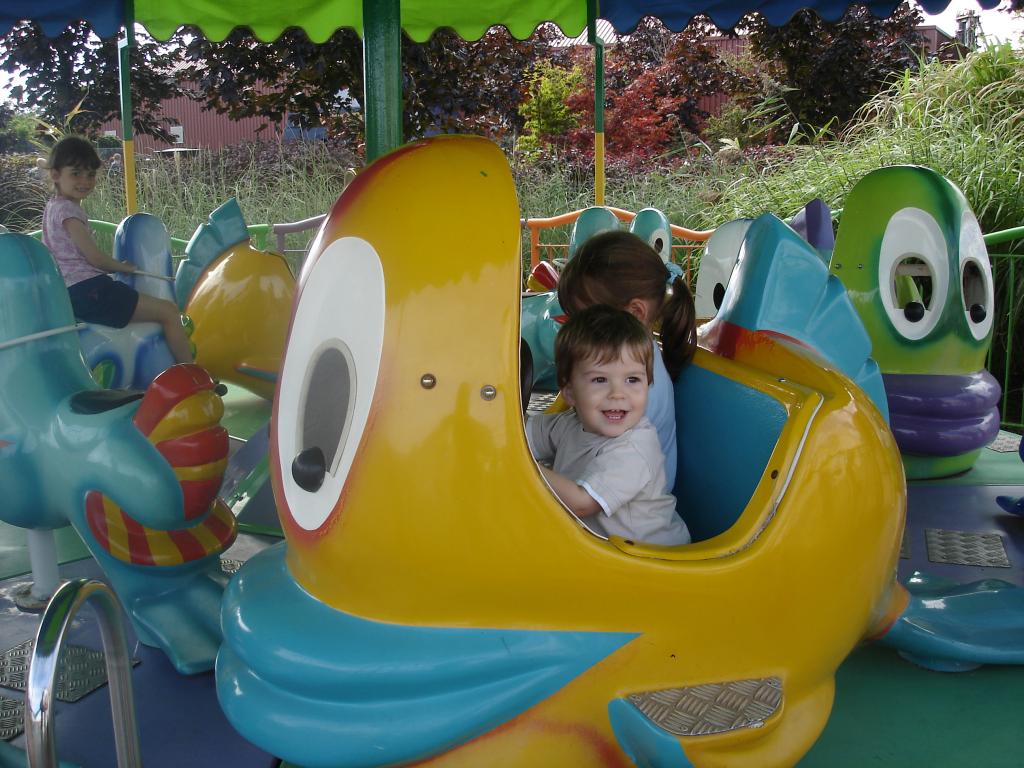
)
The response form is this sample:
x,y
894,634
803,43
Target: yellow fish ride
x,y
434,603
238,299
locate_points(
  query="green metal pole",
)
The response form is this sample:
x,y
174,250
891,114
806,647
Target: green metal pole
x,y
124,66
1004,236
598,45
382,76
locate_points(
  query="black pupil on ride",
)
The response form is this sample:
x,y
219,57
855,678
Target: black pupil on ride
x,y
917,283
328,404
718,295
973,285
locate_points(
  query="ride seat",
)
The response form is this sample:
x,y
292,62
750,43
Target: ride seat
x,y
725,435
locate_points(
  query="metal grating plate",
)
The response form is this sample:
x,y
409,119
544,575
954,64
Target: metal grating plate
x,y
1005,442
712,708
540,401
12,718
229,565
966,548
81,670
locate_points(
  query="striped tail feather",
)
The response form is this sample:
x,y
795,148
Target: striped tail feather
x,y
180,414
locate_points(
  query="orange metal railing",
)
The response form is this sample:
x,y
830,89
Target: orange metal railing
x,y
694,237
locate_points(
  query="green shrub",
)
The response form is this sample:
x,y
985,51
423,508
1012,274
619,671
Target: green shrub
x,y
22,196
545,111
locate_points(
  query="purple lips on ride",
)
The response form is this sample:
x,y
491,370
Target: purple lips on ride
x,y
944,415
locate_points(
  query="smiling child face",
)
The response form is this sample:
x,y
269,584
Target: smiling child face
x,y
74,182
609,397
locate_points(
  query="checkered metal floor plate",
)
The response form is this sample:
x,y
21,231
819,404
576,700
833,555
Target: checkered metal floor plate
x,y
12,718
540,401
80,672
712,708
1005,442
966,548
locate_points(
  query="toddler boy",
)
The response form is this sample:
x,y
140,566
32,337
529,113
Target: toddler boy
x,y
606,464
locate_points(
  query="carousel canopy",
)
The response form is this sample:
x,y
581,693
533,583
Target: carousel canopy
x,y
320,18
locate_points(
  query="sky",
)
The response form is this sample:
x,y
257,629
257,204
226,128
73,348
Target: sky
x,y
995,23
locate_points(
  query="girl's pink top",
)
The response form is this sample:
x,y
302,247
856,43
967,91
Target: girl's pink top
x,y
72,263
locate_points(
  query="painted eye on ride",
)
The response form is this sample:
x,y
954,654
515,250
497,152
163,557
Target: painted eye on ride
x,y
976,283
913,272
716,266
328,377
661,241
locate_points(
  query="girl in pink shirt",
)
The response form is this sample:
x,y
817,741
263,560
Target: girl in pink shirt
x,y
95,297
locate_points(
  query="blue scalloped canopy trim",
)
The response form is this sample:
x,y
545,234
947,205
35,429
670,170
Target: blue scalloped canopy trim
x,y
624,15
317,686
105,17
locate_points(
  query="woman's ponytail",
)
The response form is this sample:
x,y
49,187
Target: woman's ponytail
x,y
678,328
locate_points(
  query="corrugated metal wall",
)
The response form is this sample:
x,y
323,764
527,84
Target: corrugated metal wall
x,y
203,128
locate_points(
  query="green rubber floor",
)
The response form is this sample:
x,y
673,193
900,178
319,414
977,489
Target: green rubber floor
x,y
14,549
244,412
887,712
992,468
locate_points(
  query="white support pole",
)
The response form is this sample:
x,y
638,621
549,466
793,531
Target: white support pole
x,y
42,554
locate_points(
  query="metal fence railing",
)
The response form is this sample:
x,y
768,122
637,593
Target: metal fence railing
x,y
1005,358
687,241
1006,355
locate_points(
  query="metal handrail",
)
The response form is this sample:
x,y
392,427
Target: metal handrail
x,y
536,225
280,230
40,736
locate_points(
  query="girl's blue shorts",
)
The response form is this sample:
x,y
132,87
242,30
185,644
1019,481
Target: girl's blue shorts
x,y
104,301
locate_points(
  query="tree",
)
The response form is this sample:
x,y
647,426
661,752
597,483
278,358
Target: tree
x,y
448,83
830,69
654,80
476,86
545,110
754,113
76,67
15,131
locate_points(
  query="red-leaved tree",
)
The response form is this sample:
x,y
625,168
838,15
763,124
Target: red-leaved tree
x,y
654,80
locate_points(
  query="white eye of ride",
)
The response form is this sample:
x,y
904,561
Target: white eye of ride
x,y
716,266
913,272
976,278
328,376
661,241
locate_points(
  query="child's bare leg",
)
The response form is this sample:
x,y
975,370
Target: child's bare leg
x,y
150,309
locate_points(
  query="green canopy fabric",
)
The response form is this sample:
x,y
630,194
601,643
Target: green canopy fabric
x,y
320,18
